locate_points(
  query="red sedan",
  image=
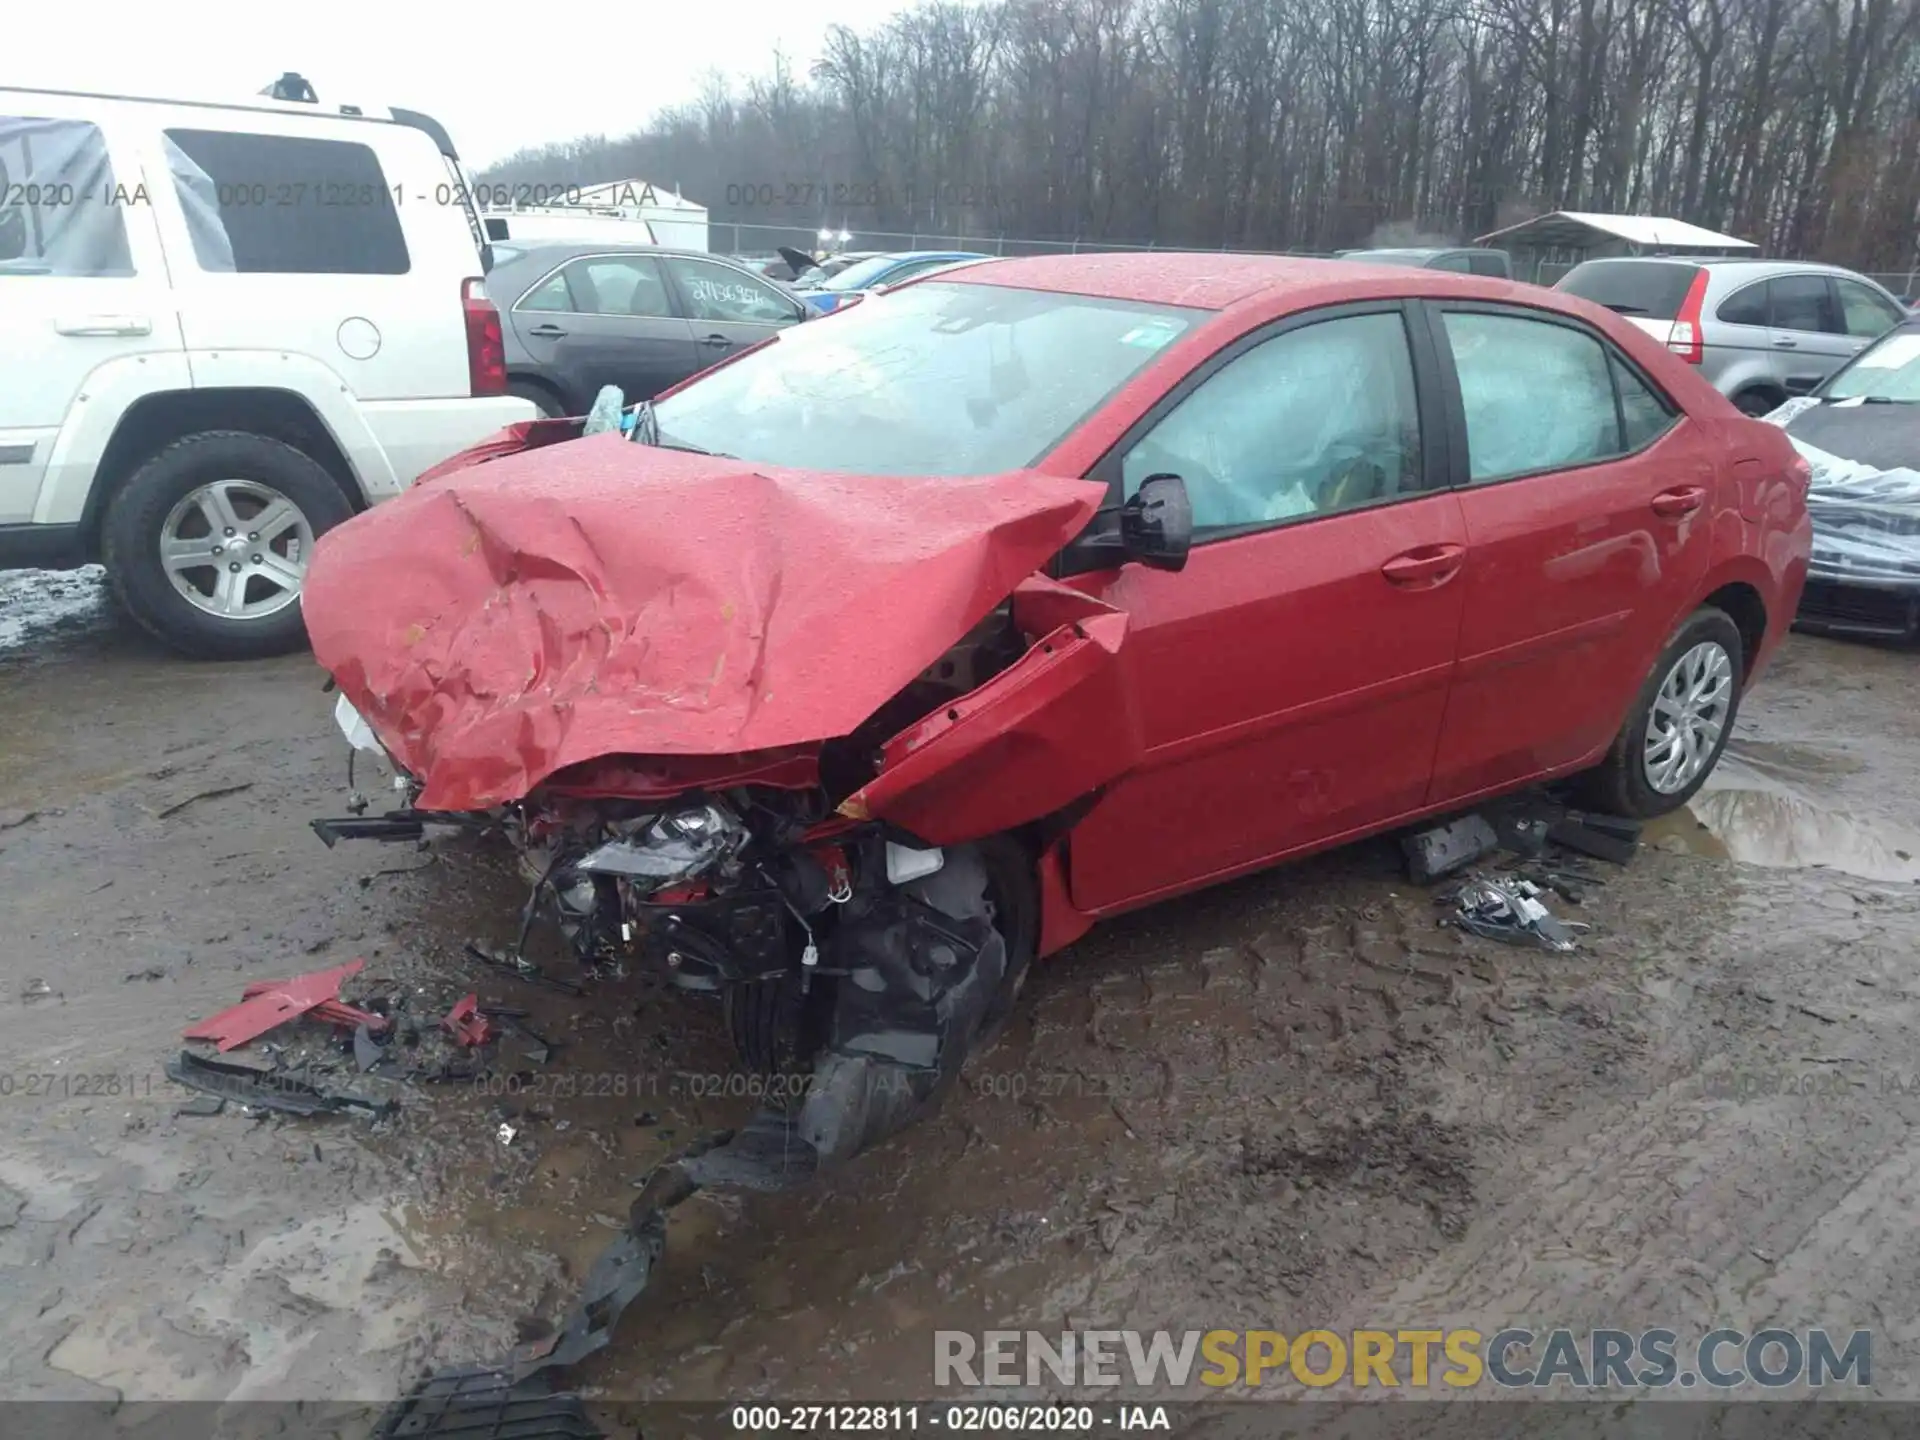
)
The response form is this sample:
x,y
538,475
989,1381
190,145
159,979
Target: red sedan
x,y
904,647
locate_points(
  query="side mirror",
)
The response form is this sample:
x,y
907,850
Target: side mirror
x,y
1155,527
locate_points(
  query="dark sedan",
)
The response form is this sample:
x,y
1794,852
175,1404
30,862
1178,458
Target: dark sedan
x,y
581,315
1860,429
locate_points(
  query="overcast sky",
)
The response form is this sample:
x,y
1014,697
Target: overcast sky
x,y
498,76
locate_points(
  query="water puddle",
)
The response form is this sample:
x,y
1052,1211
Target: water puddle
x,y
37,605
1773,805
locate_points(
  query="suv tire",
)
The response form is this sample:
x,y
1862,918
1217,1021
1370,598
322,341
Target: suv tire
x,y
179,496
1704,659
1757,400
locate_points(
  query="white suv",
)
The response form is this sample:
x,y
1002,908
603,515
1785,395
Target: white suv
x,y
225,328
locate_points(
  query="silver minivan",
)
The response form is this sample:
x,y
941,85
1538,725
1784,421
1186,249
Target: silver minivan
x,y
1760,330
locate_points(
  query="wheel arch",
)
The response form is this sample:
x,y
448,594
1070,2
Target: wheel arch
x,y
156,421
535,380
1741,602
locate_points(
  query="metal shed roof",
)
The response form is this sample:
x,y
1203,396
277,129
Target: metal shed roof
x,y
1575,229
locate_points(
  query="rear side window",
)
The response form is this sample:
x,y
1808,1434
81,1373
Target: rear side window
x,y
1459,264
1537,395
61,209
286,205
1745,307
1485,262
1645,414
1642,289
619,285
1800,302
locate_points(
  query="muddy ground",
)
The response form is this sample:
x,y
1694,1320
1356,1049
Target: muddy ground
x,y
1292,1102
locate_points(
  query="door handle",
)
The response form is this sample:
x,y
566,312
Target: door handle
x,y
547,332
1425,565
104,325
716,341
1683,500
1785,342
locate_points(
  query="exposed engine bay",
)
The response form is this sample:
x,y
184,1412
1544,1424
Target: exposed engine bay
x,y
858,964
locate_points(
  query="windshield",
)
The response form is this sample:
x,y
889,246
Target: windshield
x,y
1888,369
942,379
860,276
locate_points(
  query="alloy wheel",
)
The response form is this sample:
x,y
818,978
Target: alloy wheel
x,y
236,549
1689,712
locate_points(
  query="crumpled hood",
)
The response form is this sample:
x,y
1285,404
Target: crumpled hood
x,y
504,620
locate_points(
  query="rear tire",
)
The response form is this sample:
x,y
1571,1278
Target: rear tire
x,y
1687,706
175,502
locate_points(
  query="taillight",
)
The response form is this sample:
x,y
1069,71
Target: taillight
x,y
486,346
1684,339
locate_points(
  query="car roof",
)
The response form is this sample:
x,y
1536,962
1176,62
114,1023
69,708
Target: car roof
x,y
1745,265
554,251
1213,280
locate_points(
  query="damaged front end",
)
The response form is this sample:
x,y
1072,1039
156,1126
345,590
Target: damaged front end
x,y
865,908
800,739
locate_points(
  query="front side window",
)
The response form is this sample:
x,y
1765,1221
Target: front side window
x,y
62,213
285,205
1866,313
720,294
1316,420
1537,395
628,285
944,379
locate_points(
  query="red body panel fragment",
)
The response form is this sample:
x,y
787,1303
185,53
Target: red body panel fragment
x,y
271,1003
1058,723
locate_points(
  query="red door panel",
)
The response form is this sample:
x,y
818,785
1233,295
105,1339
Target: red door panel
x,y
1573,582
1290,692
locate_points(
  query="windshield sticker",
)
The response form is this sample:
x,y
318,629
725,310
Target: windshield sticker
x,y
1892,353
1785,414
1151,336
